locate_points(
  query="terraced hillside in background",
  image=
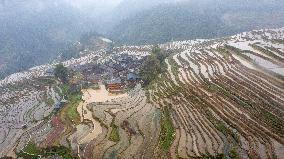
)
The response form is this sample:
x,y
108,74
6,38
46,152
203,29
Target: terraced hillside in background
x,y
217,98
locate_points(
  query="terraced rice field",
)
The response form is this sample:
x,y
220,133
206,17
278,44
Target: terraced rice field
x,y
224,101
218,98
128,127
25,105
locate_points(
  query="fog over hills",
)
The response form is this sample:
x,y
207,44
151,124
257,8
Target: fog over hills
x,y
29,28
198,19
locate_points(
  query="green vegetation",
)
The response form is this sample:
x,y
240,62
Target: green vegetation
x,y
167,134
70,51
150,69
174,66
159,54
227,91
275,50
73,101
61,73
73,98
224,52
31,151
267,52
46,80
40,39
233,153
50,102
114,134
31,148
221,126
279,41
65,89
237,51
169,91
153,66
273,120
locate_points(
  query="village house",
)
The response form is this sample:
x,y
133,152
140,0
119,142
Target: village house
x,y
114,85
94,80
49,72
132,77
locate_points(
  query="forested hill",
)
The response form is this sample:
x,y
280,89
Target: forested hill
x,y
32,37
36,33
193,19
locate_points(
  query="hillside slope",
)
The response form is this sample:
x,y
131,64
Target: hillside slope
x,y
218,98
226,96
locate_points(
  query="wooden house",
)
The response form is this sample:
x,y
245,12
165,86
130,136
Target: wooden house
x,y
114,86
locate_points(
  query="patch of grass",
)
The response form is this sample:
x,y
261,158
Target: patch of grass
x,y
31,151
31,148
72,113
234,154
50,102
222,127
167,134
58,151
114,134
65,89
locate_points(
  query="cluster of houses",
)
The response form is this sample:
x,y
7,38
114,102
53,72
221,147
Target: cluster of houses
x,y
117,77
118,73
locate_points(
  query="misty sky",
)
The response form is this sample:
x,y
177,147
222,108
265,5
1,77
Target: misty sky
x,y
93,4
83,5
79,4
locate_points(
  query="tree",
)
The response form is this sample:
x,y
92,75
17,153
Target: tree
x,y
61,73
150,69
161,56
153,65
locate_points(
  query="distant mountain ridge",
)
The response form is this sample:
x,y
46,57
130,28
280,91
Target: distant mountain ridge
x,y
197,19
